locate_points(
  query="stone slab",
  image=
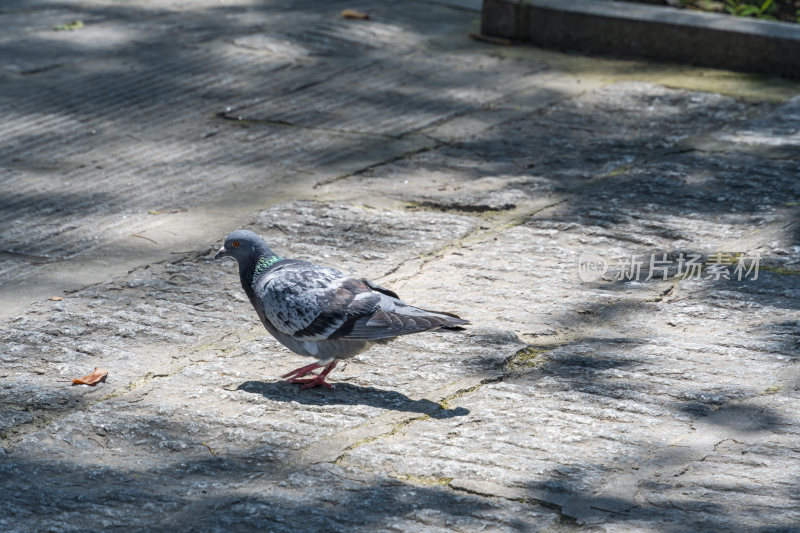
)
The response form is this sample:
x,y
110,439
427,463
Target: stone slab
x,y
638,30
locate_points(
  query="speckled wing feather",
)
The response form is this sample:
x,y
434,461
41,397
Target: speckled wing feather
x,y
311,302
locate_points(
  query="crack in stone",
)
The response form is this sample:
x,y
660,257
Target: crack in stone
x,y
415,151
340,460
480,234
245,121
28,258
448,483
565,518
444,404
458,207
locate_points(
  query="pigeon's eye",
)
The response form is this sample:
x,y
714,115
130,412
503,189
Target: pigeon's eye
x,y
235,244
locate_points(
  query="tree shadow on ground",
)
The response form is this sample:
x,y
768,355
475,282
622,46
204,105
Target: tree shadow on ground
x,y
669,501
601,160
741,417
134,113
625,373
198,495
348,394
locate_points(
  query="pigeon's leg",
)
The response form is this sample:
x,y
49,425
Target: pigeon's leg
x,y
317,380
320,379
300,372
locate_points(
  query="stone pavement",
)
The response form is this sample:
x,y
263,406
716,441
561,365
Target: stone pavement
x,y
467,176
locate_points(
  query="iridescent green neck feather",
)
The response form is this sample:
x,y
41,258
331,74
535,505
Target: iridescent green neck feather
x,y
264,263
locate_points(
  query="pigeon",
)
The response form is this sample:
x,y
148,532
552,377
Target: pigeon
x,y
321,312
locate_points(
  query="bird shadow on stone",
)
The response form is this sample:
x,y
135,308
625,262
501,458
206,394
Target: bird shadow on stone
x,y
347,394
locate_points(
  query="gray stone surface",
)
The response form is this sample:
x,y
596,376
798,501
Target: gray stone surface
x,y
400,150
633,28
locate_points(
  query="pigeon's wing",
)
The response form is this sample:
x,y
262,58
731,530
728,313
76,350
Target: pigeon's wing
x,y
310,302
343,304
313,303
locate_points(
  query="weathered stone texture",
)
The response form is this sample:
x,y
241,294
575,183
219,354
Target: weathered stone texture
x,y
398,150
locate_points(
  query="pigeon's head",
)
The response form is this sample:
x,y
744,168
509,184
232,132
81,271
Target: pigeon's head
x,y
241,245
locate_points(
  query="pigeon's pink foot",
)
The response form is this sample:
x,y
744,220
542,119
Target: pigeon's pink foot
x,y
300,372
316,381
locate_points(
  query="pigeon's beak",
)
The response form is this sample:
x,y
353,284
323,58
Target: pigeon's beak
x,y
222,253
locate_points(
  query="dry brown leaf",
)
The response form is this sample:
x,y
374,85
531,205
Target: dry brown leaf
x,y
92,379
354,14
56,298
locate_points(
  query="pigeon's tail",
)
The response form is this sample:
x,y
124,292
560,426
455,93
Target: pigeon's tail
x,y
402,320
452,320
442,319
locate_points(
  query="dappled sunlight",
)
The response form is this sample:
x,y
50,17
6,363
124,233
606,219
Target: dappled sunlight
x,y
468,177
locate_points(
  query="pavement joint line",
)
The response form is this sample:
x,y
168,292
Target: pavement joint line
x,y
528,500
422,149
464,209
420,133
396,427
526,217
426,481
245,121
502,102
444,404
448,483
591,321
478,235
527,360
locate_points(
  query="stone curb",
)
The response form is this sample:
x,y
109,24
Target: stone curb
x,y
661,33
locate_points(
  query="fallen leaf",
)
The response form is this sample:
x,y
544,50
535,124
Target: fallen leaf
x,y
354,14
92,379
56,298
